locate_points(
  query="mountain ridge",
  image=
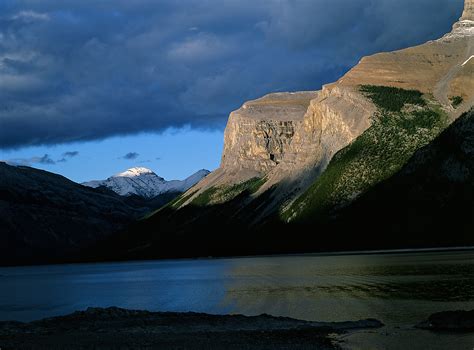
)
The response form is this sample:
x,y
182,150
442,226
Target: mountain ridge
x,y
338,114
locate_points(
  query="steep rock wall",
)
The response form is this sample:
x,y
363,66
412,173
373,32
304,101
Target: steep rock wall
x,y
336,117
259,134
257,139
256,144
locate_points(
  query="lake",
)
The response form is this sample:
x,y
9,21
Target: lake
x,y
400,289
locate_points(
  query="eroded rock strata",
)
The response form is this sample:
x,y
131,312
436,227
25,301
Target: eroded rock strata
x,y
289,138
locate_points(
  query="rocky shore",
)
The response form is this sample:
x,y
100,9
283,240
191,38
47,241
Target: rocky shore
x,y
115,328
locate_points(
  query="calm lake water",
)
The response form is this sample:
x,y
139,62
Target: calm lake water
x,y
399,289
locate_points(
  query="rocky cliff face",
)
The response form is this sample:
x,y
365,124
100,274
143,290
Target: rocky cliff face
x,y
290,138
336,117
436,67
259,134
258,139
468,14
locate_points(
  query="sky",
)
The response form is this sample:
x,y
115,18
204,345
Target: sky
x,y
90,88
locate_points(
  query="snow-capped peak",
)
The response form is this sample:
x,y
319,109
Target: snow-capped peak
x,y
133,172
145,183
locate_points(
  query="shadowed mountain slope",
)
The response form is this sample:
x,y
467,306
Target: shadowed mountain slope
x,y
45,217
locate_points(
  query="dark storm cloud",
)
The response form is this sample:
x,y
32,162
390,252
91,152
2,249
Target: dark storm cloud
x,y
83,69
131,156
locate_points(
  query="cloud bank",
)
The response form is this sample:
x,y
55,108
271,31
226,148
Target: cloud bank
x,y
86,70
70,154
43,160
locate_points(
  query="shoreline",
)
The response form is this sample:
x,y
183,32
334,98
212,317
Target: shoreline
x,y
315,254
111,328
118,328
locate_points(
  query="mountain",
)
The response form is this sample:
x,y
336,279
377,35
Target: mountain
x,y
427,203
289,138
295,166
145,183
45,217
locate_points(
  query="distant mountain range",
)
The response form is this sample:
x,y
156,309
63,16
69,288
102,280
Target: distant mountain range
x,y
145,183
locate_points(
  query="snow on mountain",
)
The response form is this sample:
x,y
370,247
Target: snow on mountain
x,y
145,183
137,171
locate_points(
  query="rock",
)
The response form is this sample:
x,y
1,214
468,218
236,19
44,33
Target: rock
x,y
449,321
335,118
259,134
468,14
258,140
